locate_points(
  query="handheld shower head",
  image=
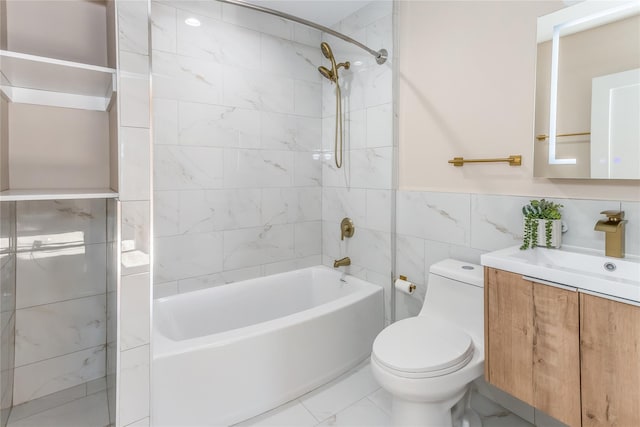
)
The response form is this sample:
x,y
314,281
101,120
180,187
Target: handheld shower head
x,y
326,73
326,50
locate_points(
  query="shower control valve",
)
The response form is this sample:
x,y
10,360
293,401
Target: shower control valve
x,y
346,228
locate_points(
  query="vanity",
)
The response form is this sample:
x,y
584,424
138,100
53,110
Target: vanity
x,y
562,333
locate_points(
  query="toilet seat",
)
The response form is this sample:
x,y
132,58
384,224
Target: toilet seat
x,y
422,347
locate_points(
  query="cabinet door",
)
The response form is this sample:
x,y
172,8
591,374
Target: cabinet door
x,y
610,365
509,333
556,353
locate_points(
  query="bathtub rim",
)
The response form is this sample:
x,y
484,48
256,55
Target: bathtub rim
x,y
167,347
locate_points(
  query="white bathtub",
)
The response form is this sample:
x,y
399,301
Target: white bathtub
x,y
228,353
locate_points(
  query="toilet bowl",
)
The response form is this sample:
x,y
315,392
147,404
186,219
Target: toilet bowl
x,y
427,362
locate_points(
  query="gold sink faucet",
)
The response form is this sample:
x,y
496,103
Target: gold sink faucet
x,y
613,228
342,262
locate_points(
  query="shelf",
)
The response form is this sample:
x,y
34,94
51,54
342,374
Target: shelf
x,y
39,80
66,194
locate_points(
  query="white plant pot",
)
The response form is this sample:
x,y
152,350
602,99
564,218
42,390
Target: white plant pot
x,y
556,233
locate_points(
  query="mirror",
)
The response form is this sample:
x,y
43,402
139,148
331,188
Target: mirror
x,y
587,122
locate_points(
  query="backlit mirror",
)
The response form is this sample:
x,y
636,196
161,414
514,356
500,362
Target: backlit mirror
x,y
587,122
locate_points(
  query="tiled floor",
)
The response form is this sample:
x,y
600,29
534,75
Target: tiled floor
x,y
82,406
353,399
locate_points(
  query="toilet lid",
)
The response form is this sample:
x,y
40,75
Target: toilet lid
x,y
424,345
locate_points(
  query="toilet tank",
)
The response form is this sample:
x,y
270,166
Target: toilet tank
x,y
455,292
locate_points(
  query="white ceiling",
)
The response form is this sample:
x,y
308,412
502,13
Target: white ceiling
x,y
324,12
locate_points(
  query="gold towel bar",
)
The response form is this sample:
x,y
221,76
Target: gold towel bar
x,y
514,160
543,137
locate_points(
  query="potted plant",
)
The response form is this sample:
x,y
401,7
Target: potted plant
x,y
542,225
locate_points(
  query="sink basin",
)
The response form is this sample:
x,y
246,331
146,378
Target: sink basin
x,y
585,269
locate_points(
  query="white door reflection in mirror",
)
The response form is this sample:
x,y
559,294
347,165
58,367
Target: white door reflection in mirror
x,y
615,132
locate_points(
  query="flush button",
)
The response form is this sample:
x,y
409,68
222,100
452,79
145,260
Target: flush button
x,y
609,266
468,267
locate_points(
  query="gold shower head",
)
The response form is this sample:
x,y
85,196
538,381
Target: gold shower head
x,y
326,73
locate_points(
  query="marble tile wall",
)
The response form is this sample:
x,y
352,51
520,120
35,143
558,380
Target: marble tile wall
x,y
129,362
7,307
237,141
432,226
60,318
362,188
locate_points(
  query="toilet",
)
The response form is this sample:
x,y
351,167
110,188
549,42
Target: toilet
x,y
427,362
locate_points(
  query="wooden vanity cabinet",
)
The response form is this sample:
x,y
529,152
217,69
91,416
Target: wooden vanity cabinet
x,y
532,343
610,362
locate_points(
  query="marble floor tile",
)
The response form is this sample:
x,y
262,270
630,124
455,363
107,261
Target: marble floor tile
x,y
362,413
292,414
89,411
340,393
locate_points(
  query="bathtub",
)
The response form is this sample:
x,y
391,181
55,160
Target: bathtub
x,y
228,353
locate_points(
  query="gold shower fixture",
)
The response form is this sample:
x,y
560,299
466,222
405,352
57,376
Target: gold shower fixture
x,y
332,75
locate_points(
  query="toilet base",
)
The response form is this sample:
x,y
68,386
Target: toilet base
x,y
406,413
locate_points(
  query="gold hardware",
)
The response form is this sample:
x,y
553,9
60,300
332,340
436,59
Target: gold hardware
x,y
514,160
412,287
560,135
332,75
613,228
342,262
346,228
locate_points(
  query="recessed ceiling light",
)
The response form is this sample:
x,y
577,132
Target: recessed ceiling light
x,y
192,22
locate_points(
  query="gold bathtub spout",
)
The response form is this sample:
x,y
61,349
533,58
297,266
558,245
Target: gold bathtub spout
x,y
342,262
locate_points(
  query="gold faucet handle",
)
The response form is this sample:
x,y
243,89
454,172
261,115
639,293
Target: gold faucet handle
x,y
614,216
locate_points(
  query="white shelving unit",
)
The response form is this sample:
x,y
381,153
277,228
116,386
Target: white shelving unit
x,y
68,194
39,80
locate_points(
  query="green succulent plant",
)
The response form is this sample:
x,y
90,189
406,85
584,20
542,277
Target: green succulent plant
x,y
535,211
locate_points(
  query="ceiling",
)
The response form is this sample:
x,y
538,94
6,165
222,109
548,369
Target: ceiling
x,y
323,12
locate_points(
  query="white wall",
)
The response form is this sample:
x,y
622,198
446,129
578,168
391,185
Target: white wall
x,y
466,88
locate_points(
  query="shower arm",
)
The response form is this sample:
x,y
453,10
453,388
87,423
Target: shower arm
x,y
380,55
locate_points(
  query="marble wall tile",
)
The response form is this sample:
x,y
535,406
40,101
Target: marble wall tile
x,y
496,221
370,249
71,326
294,264
133,17
267,24
410,256
179,257
632,214
371,168
260,245
136,237
48,276
7,226
7,283
307,169
378,84
581,217
217,279
188,168
256,90
186,79
52,223
378,210
163,27
380,126
380,33
134,385
166,211
286,58
218,41
198,7
290,132
306,101
308,239
258,168
134,96
218,126
135,167
338,203
161,290
165,121
443,217
365,16
135,311
306,35
145,422
59,373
